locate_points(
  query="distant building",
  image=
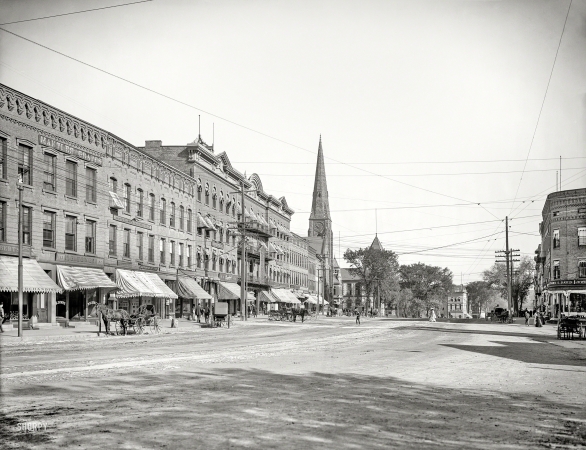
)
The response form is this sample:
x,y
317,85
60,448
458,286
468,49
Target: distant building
x,y
560,261
458,303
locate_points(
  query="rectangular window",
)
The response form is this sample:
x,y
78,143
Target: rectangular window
x,y
189,256
27,223
189,220
582,269
172,253
126,243
556,270
556,238
152,208
127,198
91,180
90,236
180,254
172,216
162,251
139,244
151,248
163,207
140,203
2,221
582,236
71,233
48,229
25,164
50,162
71,178
112,240
3,158
181,217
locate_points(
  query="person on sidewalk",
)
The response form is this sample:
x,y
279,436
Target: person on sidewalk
x,y
432,315
1,317
357,316
526,317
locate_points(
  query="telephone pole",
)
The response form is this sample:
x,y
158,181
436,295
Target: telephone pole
x,y
508,259
243,295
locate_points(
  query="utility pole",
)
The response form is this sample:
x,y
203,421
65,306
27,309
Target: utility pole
x,y
20,187
508,259
243,295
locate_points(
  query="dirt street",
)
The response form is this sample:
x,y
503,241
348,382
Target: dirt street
x,y
322,384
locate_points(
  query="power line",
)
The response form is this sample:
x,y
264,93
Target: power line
x,y
543,102
75,12
230,121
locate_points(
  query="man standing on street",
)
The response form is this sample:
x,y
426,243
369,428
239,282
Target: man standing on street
x,y
357,316
526,317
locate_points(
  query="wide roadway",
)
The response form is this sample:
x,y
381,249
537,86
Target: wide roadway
x,y
322,384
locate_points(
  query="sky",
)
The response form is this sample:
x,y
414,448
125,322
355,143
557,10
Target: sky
x,y
438,118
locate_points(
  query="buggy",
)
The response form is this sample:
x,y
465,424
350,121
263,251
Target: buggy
x,y
220,315
145,317
570,325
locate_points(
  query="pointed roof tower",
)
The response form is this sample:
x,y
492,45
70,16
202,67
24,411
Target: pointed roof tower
x,y
320,205
376,245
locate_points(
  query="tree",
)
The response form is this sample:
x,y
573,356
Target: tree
x,y
429,284
496,277
377,269
479,294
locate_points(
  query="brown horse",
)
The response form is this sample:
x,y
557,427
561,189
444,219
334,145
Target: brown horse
x,y
113,315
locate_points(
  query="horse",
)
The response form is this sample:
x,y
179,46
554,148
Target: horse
x,y
113,315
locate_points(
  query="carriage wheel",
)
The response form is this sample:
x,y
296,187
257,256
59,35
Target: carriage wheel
x,y
138,326
154,326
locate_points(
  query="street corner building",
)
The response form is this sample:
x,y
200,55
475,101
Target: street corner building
x,y
105,221
560,259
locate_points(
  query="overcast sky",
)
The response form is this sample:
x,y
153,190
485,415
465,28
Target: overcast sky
x,y
426,108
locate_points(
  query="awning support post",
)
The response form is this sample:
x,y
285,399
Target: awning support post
x,y
66,308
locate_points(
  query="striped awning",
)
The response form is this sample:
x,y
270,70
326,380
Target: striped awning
x,y
272,248
266,296
228,291
189,288
83,278
285,296
34,277
146,284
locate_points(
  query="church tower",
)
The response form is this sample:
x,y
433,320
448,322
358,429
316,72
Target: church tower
x,y
320,221
320,234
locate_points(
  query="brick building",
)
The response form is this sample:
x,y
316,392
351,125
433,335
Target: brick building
x,y
148,218
457,303
560,271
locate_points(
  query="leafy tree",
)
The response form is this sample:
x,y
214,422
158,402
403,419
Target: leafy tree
x,y
496,277
429,284
479,294
377,269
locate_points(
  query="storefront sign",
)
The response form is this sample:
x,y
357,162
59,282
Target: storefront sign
x,y
68,257
12,249
564,283
81,154
133,222
217,244
228,277
146,267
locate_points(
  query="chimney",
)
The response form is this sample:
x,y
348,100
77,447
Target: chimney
x,y
153,144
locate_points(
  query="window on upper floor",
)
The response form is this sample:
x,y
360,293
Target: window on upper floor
x,y
582,269
556,270
2,221
172,216
556,238
91,181
582,236
48,229
182,218
27,224
90,236
71,233
140,203
3,158
162,211
25,164
152,203
50,162
127,191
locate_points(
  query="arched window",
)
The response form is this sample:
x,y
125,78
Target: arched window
x,y
199,192
214,198
207,194
181,217
189,220
152,207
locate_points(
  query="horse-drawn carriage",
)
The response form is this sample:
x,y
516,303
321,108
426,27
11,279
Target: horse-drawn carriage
x,y
220,315
570,325
501,315
145,317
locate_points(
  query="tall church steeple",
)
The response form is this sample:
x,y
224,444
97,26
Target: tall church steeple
x,y
319,219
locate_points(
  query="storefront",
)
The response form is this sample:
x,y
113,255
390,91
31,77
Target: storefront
x,y
266,300
84,288
191,296
138,288
286,297
37,289
230,292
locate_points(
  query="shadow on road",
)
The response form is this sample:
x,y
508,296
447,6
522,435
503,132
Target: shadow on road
x,y
238,408
528,352
504,332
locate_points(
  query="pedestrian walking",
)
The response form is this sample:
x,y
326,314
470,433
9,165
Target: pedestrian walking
x,y
1,317
526,317
198,313
357,316
538,323
207,314
432,315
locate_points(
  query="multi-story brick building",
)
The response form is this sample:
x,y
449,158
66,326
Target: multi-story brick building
x,y
161,214
560,278
457,304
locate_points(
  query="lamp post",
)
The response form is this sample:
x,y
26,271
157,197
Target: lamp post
x,y
20,187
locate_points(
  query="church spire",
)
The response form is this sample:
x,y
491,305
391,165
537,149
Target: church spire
x,y
320,205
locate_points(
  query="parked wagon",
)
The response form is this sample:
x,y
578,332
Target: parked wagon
x,y
568,326
146,317
220,315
